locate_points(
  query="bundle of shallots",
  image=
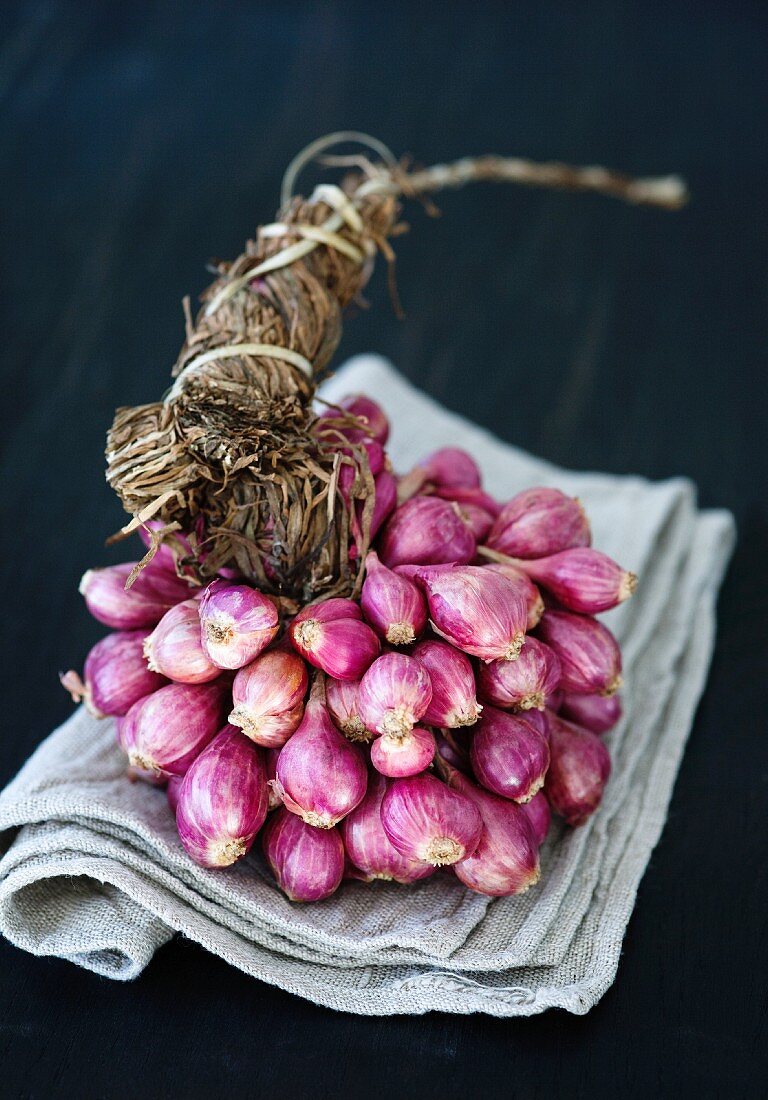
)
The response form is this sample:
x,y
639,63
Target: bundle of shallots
x,y
434,721
379,675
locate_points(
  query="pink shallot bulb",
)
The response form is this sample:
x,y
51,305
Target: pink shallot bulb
x,y
478,519
116,675
454,699
464,496
509,755
538,719
332,637
428,822
222,801
307,863
375,422
393,605
384,504
506,859
268,696
403,754
320,775
154,591
236,623
394,694
598,713
578,771
385,500
531,594
539,815
427,531
590,658
538,522
174,648
451,467
523,684
368,846
342,700
165,731
582,579
480,612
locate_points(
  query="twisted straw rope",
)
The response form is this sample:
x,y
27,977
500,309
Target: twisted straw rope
x,y
666,192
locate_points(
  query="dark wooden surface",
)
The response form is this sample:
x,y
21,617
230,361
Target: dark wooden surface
x,y
141,139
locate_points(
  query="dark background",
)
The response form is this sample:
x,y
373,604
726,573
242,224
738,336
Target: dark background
x,y
139,140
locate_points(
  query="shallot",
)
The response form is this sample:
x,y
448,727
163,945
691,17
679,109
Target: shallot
x,y
509,755
307,863
320,775
428,822
332,637
579,769
236,623
222,801
369,847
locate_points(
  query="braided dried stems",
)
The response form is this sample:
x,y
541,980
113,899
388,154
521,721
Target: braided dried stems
x,y
233,455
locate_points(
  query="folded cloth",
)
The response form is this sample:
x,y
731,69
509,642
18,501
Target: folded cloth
x,y
93,870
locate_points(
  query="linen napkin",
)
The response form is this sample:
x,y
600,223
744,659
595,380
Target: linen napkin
x,y
93,870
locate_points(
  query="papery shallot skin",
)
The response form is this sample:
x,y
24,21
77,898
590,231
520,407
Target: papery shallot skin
x,y
375,422
533,601
426,531
408,754
174,648
526,683
538,522
368,846
223,799
598,713
578,772
268,696
537,719
590,658
116,675
308,863
165,731
428,822
321,776
509,755
343,701
464,496
394,694
539,816
478,611
332,637
454,700
583,579
384,504
451,467
506,859
154,591
392,604
236,623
